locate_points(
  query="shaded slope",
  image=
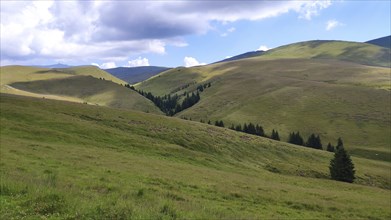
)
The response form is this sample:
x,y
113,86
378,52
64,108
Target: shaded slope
x,y
361,53
329,97
78,84
91,90
133,75
381,42
95,162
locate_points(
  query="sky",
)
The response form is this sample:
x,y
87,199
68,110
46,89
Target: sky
x,y
112,34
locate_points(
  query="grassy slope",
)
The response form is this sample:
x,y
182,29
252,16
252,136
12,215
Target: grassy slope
x,y
82,161
362,53
78,84
330,97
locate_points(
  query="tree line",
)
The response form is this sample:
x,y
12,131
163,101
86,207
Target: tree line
x,y
341,166
313,141
171,105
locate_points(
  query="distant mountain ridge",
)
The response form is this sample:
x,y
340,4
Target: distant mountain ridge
x,y
136,74
58,65
382,42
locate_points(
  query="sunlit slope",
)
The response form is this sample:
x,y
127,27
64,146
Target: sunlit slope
x,y
69,160
11,74
87,84
329,97
362,53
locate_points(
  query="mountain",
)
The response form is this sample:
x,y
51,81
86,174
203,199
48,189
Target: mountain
x,y
317,87
85,84
243,55
58,65
134,75
69,160
382,42
360,53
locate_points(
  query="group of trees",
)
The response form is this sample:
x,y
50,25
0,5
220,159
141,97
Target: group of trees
x,y
341,166
249,129
312,141
169,104
202,87
254,129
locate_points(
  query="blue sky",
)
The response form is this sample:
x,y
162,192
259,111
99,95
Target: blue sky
x,y
175,33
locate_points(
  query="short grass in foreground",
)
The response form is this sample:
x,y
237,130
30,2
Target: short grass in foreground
x,y
63,160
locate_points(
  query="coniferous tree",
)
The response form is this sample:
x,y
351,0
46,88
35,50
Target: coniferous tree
x,y
238,128
275,135
295,138
251,129
341,166
245,128
330,148
259,130
232,127
339,143
314,142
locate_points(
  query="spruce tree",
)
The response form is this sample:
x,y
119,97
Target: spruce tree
x,y
339,143
330,147
275,135
341,166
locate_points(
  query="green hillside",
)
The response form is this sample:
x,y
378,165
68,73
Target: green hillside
x,y
361,53
64,160
329,97
87,84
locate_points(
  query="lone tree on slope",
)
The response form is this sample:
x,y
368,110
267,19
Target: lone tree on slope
x,y
341,166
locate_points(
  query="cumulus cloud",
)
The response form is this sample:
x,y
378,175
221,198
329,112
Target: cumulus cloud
x,y
107,65
263,48
331,24
138,62
308,9
191,61
115,30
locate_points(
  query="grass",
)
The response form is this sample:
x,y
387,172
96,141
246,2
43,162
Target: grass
x,y
361,53
329,97
63,160
77,84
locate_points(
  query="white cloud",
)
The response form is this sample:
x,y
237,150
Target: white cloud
x,y
138,62
108,65
229,30
331,24
308,9
116,30
263,48
191,61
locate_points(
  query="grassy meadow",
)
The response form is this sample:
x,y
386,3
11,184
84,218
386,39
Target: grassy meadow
x,y
328,97
65,160
83,84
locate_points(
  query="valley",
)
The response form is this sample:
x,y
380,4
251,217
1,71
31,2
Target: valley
x,y
80,143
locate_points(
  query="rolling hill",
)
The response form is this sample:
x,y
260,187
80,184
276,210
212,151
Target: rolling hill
x,y
360,53
134,75
317,87
67,160
87,84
